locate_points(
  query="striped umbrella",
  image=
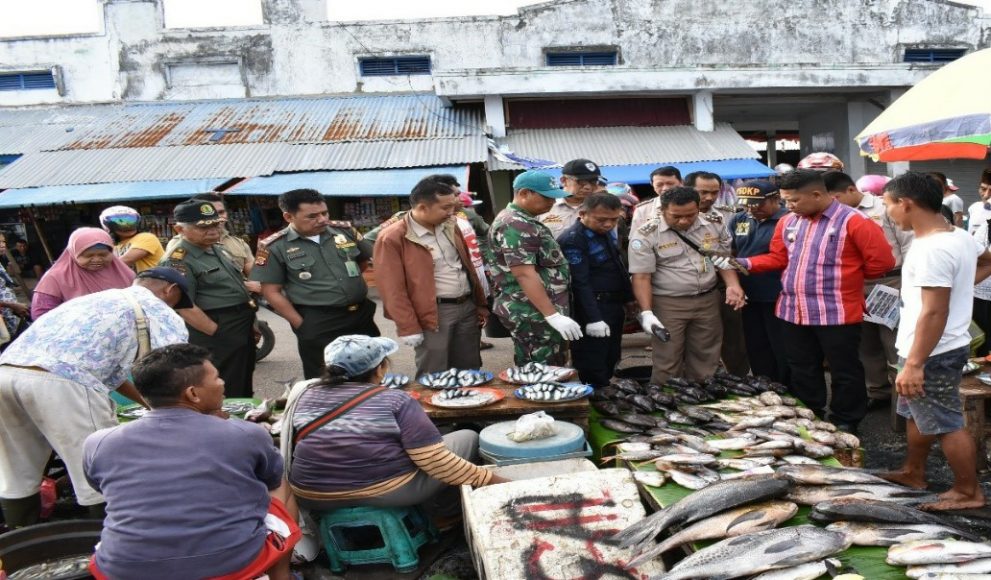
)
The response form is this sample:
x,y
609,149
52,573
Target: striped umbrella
x,y
946,116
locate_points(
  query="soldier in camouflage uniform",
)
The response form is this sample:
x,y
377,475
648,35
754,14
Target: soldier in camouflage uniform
x,y
530,274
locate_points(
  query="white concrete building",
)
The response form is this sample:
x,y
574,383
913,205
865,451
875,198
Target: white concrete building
x,y
821,69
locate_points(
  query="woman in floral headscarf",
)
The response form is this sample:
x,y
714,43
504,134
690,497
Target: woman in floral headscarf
x,y
11,310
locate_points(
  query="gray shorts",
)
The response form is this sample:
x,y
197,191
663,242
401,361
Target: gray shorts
x,y
939,411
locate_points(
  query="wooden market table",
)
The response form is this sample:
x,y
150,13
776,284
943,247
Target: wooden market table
x,y
973,397
508,409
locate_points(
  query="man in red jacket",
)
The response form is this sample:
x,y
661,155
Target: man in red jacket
x,y
826,250
428,284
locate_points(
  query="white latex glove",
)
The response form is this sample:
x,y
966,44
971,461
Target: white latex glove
x,y
566,327
651,325
597,329
723,262
413,340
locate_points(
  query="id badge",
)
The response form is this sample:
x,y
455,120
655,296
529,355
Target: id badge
x,y
353,270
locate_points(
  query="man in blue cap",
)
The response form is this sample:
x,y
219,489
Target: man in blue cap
x,y
751,233
530,274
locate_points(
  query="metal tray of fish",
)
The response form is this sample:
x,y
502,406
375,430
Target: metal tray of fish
x,y
549,392
234,407
394,381
454,378
465,398
533,372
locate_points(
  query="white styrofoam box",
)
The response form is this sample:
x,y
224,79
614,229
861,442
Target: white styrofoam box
x,y
553,527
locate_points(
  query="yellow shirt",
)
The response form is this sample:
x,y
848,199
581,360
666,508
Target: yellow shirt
x,y
143,241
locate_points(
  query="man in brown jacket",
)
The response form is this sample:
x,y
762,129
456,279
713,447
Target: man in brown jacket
x,y
428,284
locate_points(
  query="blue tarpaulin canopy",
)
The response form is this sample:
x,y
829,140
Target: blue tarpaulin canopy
x,y
357,183
106,192
640,174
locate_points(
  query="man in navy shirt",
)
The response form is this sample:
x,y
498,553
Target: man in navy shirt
x,y
600,287
751,233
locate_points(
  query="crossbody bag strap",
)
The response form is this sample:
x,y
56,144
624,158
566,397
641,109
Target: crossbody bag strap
x,y
337,412
144,335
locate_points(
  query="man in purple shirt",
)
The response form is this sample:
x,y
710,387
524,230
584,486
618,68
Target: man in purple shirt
x,y
189,494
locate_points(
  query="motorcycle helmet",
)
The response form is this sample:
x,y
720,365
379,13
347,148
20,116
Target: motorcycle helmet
x,y
782,168
821,162
873,184
624,192
119,217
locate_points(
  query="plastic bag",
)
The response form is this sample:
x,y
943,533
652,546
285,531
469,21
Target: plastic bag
x,y
537,425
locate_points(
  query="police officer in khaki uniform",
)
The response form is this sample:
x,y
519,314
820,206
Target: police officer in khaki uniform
x,y
310,274
580,178
674,282
223,314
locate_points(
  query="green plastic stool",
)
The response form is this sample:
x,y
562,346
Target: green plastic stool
x,y
401,530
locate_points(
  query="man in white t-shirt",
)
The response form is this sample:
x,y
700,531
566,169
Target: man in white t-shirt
x,y
979,212
938,277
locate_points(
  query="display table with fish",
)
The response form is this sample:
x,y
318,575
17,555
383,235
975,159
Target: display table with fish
x,y
509,408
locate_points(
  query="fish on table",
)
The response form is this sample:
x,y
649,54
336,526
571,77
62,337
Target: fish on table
x,y
879,511
809,571
735,522
711,500
980,566
881,534
920,552
814,494
818,474
759,552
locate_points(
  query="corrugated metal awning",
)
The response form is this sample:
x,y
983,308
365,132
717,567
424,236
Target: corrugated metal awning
x,y
625,145
106,192
362,183
640,174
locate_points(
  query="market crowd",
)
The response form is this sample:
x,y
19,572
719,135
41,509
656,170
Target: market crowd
x,y
769,277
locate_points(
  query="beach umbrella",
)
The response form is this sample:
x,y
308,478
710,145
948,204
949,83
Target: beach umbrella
x,y
946,116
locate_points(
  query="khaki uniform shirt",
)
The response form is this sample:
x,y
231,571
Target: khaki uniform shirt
x,y
678,270
315,274
235,246
561,217
214,280
644,212
449,273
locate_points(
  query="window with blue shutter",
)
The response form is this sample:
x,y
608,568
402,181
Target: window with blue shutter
x,y
393,66
578,58
26,81
933,55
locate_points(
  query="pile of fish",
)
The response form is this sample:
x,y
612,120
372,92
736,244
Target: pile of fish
x,y
394,381
454,378
551,391
533,372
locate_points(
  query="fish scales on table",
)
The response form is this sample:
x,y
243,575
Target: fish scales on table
x,y
921,552
980,566
713,499
877,534
759,552
734,522
878,511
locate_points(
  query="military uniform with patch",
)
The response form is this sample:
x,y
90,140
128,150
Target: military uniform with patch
x,y
600,289
685,298
517,238
322,279
216,286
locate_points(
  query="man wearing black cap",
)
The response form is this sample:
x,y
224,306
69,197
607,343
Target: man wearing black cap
x,y
223,315
751,233
580,178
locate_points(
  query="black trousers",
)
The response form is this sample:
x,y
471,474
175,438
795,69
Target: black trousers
x,y
595,359
232,348
982,316
765,344
806,347
322,324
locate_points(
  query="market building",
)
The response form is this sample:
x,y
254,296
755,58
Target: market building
x,y
138,112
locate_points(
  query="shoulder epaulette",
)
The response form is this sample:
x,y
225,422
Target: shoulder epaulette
x,y
177,253
272,238
342,224
651,225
